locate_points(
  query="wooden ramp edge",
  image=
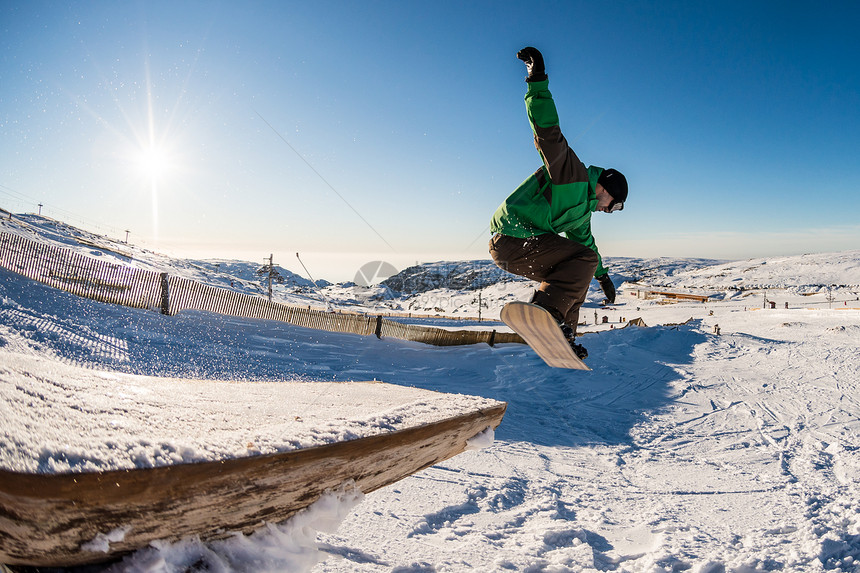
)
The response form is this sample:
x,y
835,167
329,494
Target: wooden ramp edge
x,y
44,519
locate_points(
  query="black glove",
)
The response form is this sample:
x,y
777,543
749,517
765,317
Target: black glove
x,y
534,64
607,287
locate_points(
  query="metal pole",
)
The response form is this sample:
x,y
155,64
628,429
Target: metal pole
x,y
271,270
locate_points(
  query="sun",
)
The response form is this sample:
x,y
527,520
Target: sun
x,y
153,161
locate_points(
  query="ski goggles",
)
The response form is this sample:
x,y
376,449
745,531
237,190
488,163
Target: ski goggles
x,y
615,206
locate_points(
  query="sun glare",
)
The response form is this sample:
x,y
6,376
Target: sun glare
x,y
153,162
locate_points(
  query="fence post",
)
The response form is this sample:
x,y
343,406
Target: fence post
x,y
379,326
165,294
492,338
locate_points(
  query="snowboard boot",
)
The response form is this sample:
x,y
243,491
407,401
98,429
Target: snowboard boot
x,y
570,335
579,350
566,329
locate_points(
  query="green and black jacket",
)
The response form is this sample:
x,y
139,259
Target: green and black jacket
x,y
559,197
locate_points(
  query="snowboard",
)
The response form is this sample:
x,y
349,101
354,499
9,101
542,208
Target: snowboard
x,y
540,331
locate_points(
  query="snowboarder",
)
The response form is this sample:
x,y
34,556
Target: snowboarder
x,y
558,198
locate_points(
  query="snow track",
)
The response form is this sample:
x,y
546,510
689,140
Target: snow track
x,y
740,454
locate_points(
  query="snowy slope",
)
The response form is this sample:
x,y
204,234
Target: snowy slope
x,y
242,276
682,450
804,273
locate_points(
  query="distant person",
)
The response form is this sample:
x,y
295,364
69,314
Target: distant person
x,y
558,198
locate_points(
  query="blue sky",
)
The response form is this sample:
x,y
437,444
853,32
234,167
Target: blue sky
x,y
356,131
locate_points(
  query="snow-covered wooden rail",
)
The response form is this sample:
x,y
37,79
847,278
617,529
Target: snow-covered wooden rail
x,y
47,519
139,288
310,437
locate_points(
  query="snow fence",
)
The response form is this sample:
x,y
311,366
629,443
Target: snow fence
x,y
103,281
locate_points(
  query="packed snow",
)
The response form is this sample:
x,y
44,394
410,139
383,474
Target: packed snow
x,y
723,436
65,418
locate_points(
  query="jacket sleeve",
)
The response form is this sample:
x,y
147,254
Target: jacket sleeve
x,y
587,239
561,162
601,270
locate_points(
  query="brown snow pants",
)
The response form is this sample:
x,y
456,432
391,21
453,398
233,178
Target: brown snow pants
x,y
563,267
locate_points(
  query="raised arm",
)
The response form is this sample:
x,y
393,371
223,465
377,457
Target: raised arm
x,y
560,160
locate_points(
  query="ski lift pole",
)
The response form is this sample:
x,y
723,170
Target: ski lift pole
x,y
271,272
328,304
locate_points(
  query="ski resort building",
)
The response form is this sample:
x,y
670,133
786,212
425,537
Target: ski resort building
x,y
649,293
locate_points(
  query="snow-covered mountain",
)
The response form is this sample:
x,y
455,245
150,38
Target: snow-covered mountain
x,y
462,275
458,288
809,273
